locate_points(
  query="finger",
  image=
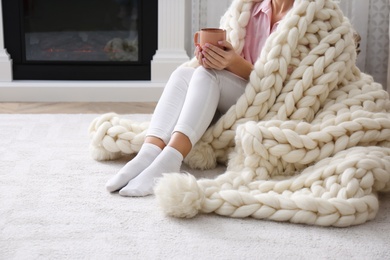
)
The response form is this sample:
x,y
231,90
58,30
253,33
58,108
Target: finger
x,y
225,45
211,63
215,49
213,58
207,57
200,60
206,64
196,51
199,57
212,54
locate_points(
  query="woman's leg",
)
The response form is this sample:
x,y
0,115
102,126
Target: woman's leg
x,y
159,132
203,98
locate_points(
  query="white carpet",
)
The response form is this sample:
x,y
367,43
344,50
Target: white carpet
x,y
53,205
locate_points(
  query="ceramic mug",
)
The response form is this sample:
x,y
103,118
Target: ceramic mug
x,y
209,35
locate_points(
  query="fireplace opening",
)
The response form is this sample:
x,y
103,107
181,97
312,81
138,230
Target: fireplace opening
x,y
80,40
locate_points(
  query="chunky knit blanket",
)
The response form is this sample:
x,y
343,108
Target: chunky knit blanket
x,y
308,147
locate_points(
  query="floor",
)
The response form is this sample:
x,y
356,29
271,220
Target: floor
x,y
77,108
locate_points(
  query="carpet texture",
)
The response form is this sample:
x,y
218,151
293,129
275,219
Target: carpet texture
x,y
53,205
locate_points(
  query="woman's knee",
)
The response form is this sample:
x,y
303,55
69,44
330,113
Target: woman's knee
x,y
202,72
179,80
182,73
206,77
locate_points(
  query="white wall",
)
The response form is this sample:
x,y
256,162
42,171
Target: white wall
x,y
215,9
370,18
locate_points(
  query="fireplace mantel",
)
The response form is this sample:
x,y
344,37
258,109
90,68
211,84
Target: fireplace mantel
x,y
170,54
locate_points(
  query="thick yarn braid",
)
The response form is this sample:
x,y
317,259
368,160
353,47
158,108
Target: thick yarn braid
x,y
113,136
312,147
320,64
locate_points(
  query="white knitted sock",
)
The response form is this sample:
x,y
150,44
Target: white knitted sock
x,y
144,158
168,161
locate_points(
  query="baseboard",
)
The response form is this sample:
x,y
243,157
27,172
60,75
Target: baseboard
x,y
80,91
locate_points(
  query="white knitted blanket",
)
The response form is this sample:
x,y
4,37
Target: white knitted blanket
x,y
312,147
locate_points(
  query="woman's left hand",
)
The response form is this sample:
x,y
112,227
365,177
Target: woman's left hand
x,y
218,58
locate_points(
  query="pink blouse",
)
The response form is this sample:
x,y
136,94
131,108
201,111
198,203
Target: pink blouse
x,y
258,30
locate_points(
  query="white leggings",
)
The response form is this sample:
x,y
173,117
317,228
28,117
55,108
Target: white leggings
x,y
190,100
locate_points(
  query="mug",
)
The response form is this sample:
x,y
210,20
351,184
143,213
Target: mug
x,y
209,35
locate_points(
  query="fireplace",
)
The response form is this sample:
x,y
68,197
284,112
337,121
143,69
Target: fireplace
x,y
174,27
81,40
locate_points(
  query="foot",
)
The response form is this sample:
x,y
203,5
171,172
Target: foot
x,y
144,158
168,161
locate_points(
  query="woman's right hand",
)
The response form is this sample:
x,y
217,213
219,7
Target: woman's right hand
x,y
198,54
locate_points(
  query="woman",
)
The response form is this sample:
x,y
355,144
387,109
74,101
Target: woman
x,y
191,98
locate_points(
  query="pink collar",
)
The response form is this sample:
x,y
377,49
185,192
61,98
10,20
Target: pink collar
x,y
264,7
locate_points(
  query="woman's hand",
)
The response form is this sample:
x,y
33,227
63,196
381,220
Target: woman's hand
x,y
198,54
213,57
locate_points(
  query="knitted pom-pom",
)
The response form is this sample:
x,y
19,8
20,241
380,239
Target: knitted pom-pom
x,y
202,157
179,195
